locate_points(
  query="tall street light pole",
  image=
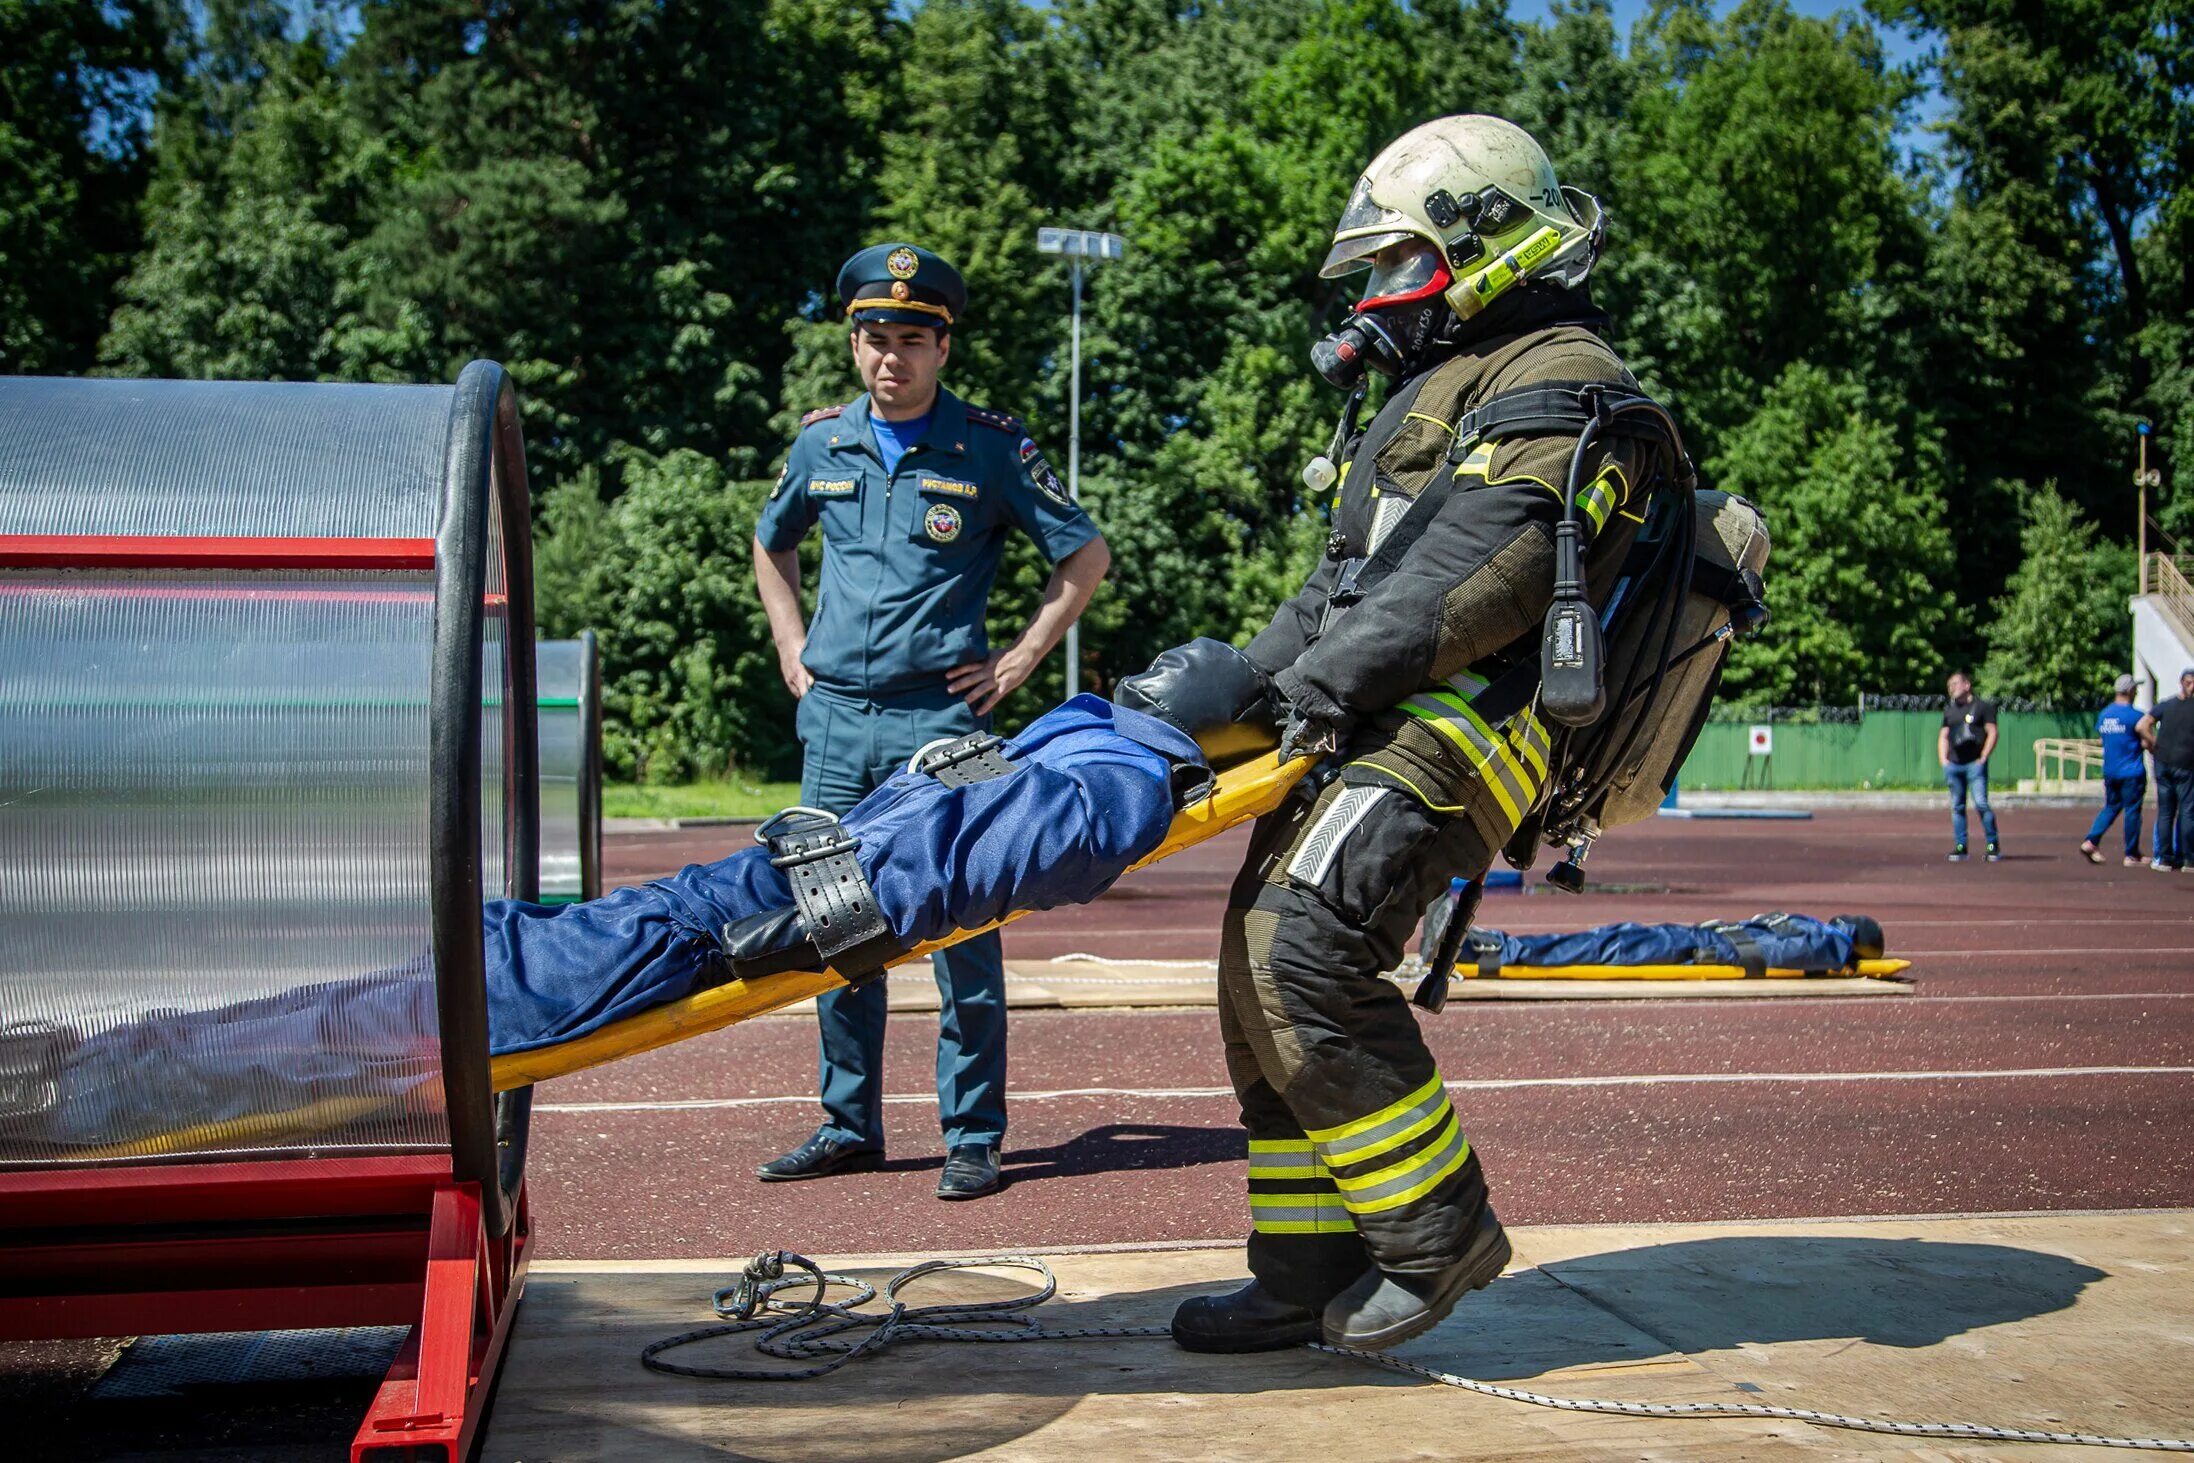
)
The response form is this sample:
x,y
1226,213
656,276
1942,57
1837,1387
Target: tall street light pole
x,y
1077,245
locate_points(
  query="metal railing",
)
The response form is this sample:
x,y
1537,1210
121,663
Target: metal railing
x,y
2164,579
2066,764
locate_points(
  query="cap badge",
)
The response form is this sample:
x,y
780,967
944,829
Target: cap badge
x,y
941,522
899,290
902,263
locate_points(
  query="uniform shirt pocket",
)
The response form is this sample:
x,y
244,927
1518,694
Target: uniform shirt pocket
x,y
949,511
836,500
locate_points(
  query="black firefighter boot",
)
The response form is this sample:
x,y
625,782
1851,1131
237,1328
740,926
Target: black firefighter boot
x,y
1386,1307
1249,1319
1301,1273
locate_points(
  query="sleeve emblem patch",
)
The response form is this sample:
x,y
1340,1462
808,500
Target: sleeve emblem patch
x,y
1047,482
941,521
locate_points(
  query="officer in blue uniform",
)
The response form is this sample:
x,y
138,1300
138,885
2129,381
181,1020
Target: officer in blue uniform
x,y
915,491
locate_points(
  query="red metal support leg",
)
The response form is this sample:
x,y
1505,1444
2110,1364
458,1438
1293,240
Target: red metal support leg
x,y
431,1404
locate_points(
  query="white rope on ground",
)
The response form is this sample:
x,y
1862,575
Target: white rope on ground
x,y
810,1331
1084,957
1973,1430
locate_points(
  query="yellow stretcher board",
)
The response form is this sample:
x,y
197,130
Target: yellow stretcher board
x,y
1239,794
1875,968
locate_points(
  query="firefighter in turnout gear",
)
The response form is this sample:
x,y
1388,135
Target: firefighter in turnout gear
x,y
1368,1207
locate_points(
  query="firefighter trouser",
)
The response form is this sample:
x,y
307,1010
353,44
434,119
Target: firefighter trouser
x,y
1355,1156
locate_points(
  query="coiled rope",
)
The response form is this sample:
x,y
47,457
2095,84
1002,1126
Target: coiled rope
x,y
818,1327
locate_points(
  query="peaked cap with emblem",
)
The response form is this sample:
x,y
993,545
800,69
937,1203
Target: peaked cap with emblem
x,y
899,284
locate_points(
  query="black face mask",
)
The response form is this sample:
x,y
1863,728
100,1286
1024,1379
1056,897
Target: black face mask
x,y
1393,341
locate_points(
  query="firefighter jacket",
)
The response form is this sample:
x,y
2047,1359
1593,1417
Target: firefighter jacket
x,y
1395,671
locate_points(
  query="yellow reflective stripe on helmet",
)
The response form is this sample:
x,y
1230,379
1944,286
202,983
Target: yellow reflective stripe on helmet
x,y
1509,267
1328,1139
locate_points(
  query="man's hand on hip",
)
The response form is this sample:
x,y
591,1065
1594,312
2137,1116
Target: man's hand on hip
x,y
797,676
985,683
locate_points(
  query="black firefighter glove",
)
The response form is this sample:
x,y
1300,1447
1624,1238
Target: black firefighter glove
x,y
1209,690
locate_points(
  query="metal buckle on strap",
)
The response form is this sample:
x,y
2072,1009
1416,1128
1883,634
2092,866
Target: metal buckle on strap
x,y
963,761
836,904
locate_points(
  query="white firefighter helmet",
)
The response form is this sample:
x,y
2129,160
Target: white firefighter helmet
x,y
1465,207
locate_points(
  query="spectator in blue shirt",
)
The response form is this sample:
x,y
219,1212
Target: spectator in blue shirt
x,y
2125,775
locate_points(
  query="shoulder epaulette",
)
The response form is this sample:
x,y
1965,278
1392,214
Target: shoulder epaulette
x,y
820,414
998,419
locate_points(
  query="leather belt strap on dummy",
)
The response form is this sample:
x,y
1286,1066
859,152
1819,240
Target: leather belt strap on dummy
x,y
835,901
964,761
1750,956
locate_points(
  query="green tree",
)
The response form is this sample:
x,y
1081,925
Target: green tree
x,y
1858,581
689,680
2059,629
76,78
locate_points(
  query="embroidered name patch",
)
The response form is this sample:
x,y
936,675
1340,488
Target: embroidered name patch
x,y
953,486
941,522
832,487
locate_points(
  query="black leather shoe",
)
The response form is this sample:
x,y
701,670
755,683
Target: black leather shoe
x,y
971,1171
1386,1307
817,1156
1249,1319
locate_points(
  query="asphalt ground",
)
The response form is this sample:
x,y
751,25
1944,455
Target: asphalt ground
x,y
2045,1062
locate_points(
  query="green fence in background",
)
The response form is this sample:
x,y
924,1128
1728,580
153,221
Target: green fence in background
x,y
1881,749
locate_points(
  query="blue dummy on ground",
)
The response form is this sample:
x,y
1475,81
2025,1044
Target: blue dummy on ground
x,y
1777,941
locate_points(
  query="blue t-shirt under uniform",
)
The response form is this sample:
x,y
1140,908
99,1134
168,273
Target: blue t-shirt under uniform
x,y
894,438
2121,749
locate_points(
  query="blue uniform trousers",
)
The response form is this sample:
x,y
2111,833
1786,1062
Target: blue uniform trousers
x,y
2121,795
852,744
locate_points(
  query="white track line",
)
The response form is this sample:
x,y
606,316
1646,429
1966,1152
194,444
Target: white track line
x,y
1483,1084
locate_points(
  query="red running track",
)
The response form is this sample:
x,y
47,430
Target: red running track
x,y
2046,1062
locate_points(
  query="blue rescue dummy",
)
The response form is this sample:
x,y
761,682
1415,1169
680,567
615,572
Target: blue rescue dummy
x,y
1763,942
1066,807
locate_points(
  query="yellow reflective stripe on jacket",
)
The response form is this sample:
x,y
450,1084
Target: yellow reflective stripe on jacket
x,y
1489,752
1479,462
1418,416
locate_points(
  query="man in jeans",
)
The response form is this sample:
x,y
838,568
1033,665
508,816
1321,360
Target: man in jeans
x,y
2169,732
2125,775
1967,738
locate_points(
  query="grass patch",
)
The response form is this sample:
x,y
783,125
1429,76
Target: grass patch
x,y
733,797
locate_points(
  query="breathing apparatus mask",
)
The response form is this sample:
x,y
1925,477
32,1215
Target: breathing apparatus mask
x,y
1403,312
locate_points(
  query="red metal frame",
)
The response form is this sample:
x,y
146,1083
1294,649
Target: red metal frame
x,y
279,1245
153,551
435,1396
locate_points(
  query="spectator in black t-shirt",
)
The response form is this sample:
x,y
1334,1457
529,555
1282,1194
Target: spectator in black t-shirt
x,y
1968,737
2169,732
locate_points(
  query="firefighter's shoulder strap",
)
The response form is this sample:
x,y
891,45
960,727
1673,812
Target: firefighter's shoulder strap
x,y
1557,408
